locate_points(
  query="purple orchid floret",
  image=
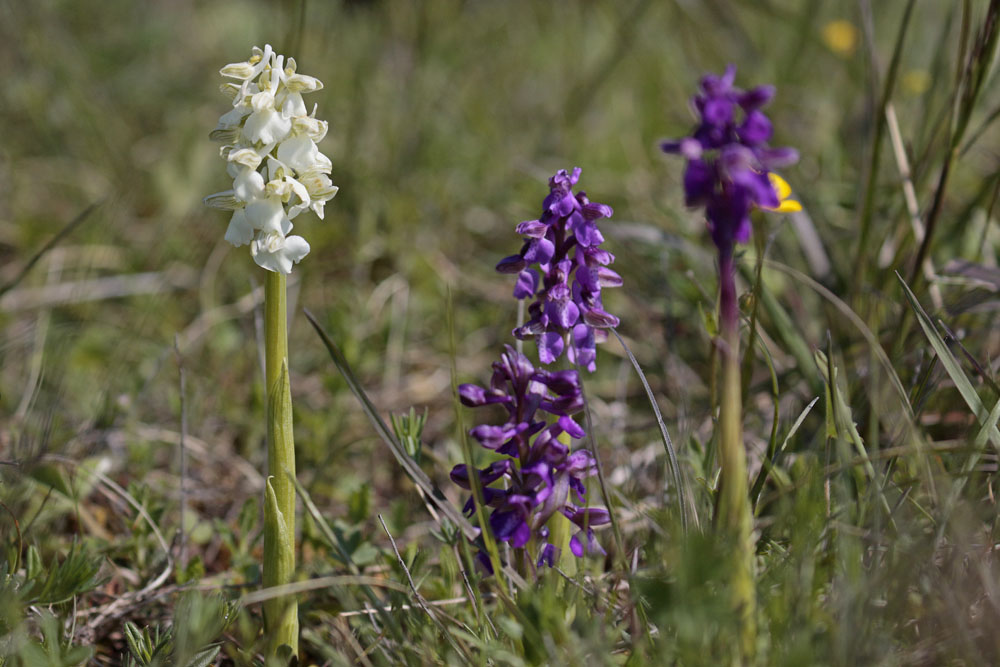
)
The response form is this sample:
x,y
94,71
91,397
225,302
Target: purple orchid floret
x,y
728,157
567,313
542,475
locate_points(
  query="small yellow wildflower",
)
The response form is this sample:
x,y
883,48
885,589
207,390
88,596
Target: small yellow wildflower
x,y
784,191
840,37
916,81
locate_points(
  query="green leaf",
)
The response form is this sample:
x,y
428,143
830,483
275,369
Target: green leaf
x,y
78,573
205,658
280,613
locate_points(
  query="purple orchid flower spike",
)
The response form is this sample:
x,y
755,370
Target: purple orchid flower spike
x,y
567,314
729,163
541,475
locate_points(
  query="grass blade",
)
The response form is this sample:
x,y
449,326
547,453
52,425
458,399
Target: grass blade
x,y
668,444
432,493
951,366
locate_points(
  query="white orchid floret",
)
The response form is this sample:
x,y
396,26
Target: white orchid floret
x,y
248,186
275,252
247,157
320,190
300,153
240,231
230,90
267,126
268,215
270,147
241,71
293,106
313,128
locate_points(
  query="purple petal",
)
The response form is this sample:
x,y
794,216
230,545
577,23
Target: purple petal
x,y
576,546
550,346
563,382
483,563
718,85
587,279
460,475
580,463
505,523
547,555
608,278
718,111
521,536
472,395
583,351
592,547
564,205
493,437
512,264
777,158
598,257
587,234
527,283
591,516
593,211
563,312
699,182
755,98
560,492
756,129
540,250
596,317
533,228
571,427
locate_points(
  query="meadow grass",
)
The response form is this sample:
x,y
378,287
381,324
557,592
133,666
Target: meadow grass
x,y
129,333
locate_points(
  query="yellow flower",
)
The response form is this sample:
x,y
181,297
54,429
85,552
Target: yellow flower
x,y
784,191
840,37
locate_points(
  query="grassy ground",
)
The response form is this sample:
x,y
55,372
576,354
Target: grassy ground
x,y
137,329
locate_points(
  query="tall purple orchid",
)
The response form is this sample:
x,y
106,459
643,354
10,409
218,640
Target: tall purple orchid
x,y
564,243
728,173
541,475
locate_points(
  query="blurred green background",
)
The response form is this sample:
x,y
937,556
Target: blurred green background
x,y
446,118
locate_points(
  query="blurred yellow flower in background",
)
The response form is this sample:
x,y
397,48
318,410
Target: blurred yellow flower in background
x,y
841,37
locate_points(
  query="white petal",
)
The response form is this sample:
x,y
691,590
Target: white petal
x,y
323,164
231,119
239,231
266,126
299,189
263,100
318,207
277,254
296,248
267,214
237,70
249,185
246,157
299,153
302,83
222,200
230,90
313,127
293,106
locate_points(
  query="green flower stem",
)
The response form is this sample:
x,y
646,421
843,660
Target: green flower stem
x,y
734,516
281,618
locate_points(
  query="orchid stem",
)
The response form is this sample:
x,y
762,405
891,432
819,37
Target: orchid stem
x,y
281,622
734,516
